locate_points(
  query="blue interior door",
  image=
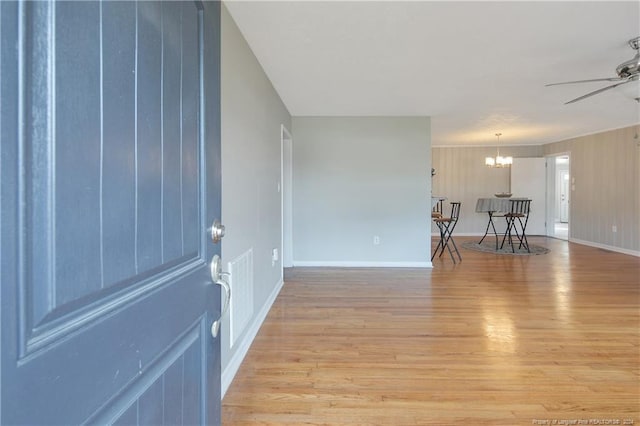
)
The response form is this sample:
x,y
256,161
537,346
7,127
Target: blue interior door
x,y
110,173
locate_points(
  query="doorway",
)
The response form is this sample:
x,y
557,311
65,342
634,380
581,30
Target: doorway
x,y
559,184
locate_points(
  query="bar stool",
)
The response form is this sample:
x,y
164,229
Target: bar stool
x,y
518,215
446,225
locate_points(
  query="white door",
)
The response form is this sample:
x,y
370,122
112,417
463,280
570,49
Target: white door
x,y
528,180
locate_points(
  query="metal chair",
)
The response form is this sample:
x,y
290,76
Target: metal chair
x,y
518,215
446,225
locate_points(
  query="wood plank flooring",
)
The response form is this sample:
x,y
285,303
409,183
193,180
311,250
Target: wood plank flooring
x,y
494,340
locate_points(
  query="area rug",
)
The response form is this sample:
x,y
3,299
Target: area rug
x,y
489,246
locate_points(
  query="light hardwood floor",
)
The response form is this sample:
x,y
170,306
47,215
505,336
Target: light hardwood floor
x,y
494,340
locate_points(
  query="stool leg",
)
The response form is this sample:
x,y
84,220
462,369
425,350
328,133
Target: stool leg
x,y
447,238
507,233
455,247
440,243
523,241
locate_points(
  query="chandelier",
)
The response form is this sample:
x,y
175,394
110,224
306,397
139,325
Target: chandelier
x,y
498,161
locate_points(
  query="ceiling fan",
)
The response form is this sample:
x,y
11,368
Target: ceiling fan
x,y
627,72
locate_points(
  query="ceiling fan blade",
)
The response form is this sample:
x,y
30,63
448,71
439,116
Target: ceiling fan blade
x,y
595,92
586,81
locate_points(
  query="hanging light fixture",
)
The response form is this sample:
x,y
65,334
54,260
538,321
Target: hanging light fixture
x,y
498,161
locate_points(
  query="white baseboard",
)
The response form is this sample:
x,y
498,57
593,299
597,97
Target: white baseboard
x,y
354,264
243,345
605,247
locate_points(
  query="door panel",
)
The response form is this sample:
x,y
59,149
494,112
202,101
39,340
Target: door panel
x,y
110,173
67,95
171,210
166,394
149,131
118,141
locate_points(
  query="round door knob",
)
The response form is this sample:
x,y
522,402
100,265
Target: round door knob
x,y
217,231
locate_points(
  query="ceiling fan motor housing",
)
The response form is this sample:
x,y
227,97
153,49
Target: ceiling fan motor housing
x,y
632,66
629,68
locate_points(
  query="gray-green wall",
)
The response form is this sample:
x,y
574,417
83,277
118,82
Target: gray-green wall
x,y
359,177
252,114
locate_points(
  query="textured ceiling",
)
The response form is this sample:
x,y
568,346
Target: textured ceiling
x,y
476,68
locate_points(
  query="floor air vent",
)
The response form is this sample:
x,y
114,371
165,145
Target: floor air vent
x,y
241,282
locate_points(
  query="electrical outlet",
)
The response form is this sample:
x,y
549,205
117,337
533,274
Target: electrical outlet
x,y
614,228
376,240
274,256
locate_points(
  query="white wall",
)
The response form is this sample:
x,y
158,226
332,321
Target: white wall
x,y
358,177
252,114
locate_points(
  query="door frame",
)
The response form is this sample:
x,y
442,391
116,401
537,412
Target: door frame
x,y
560,176
286,197
552,184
